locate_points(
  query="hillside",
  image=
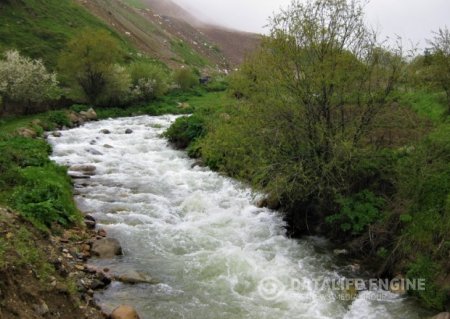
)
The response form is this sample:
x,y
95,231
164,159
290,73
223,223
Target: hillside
x,y
168,32
160,29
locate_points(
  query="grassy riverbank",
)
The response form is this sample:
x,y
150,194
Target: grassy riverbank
x,y
396,217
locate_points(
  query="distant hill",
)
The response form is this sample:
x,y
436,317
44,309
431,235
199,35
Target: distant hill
x,y
158,28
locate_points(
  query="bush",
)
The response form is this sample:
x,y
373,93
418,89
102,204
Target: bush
x,y
60,118
357,212
25,80
185,131
149,80
185,78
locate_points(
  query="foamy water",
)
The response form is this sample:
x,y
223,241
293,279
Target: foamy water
x,y
214,253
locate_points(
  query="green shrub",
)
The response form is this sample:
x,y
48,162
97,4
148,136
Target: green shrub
x,y
149,80
185,78
357,212
424,268
60,118
185,130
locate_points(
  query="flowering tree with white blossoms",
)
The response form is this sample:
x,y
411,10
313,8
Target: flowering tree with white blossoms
x,y
25,80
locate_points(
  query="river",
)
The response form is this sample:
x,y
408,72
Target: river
x,y
214,253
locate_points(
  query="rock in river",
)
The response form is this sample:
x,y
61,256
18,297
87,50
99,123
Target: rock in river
x,y
106,248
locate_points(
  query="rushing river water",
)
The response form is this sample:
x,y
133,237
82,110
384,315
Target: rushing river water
x,y
214,253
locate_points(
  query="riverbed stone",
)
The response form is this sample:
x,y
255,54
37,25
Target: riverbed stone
x,y
128,131
124,312
83,168
105,131
93,151
106,248
133,277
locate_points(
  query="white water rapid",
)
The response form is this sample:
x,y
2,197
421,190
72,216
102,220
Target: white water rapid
x,y
214,253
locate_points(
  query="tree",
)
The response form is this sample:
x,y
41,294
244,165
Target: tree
x,y
89,60
25,80
312,94
440,62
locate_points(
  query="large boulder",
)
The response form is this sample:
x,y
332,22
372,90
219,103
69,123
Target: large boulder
x,y
75,118
124,312
89,115
106,248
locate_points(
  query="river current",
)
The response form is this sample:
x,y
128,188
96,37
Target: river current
x,y
214,253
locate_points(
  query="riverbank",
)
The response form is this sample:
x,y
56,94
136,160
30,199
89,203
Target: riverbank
x,y
387,209
36,196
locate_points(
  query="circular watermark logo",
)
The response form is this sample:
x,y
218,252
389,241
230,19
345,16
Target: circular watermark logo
x,y
271,288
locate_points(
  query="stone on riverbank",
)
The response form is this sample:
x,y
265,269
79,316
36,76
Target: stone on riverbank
x,y
124,312
106,248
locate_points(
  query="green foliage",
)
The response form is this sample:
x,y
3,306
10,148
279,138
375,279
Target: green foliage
x,y
60,118
185,131
41,29
149,80
424,268
32,184
217,84
357,212
185,78
189,56
427,104
25,80
45,197
88,62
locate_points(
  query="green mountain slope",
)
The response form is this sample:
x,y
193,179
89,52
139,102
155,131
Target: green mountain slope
x,y
41,28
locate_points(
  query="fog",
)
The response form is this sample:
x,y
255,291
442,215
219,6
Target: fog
x,y
413,20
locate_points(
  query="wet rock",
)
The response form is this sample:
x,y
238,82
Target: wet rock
x,y
83,168
56,134
26,132
93,151
128,131
105,131
96,284
78,175
90,114
442,315
133,277
90,221
106,248
124,312
101,232
93,142
76,119
107,146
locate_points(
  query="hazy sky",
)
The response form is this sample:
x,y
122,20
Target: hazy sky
x,y
411,19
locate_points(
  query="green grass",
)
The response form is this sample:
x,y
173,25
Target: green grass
x,y
188,55
41,29
32,184
427,104
135,4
